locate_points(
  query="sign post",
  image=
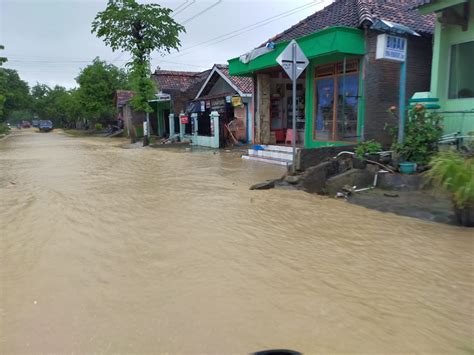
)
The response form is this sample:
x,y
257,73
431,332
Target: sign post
x,y
294,62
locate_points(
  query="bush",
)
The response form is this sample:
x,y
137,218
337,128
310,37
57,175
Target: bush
x,y
4,129
98,127
367,147
422,133
454,173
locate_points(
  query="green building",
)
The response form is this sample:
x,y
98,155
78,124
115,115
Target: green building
x,y
344,93
452,73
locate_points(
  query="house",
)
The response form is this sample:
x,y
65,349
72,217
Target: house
x,y
231,98
132,120
175,89
344,93
452,75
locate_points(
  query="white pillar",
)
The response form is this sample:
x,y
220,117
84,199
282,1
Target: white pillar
x,y
181,127
215,128
194,120
171,120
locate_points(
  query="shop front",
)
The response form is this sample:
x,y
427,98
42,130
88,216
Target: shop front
x,y
200,123
329,107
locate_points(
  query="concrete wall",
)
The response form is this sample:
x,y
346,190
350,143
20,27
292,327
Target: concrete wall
x,y
382,84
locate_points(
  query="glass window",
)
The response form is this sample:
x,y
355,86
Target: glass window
x,y
461,73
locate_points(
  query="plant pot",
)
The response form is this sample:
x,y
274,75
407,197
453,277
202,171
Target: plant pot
x,y
465,215
407,167
358,163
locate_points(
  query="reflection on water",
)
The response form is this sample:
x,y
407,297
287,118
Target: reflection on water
x,y
106,249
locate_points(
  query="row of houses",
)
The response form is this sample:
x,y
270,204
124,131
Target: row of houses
x,y
344,93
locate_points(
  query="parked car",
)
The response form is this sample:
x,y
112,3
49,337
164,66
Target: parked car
x,y
35,123
25,124
45,125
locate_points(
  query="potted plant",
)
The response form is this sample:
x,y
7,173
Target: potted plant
x,y
363,149
454,172
422,133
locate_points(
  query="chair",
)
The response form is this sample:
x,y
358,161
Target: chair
x,y
289,136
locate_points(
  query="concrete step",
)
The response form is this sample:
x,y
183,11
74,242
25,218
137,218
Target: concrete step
x,y
267,160
277,148
271,154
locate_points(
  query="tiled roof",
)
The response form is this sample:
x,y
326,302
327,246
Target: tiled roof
x,y
122,96
175,80
355,13
243,83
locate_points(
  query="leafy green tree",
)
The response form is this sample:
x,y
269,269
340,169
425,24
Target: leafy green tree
x,y
14,92
98,83
2,97
2,59
138,29
72,107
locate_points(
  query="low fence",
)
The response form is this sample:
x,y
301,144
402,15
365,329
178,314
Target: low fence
x,y
457,122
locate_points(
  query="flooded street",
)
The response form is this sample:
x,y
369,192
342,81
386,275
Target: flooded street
x,y
112,250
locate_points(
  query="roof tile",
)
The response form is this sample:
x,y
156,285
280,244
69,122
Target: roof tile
x,y
354,13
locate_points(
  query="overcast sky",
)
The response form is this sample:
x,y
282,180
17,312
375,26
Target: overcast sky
x,y
48,41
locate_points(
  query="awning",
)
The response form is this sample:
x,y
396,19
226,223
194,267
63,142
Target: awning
x,y
333,40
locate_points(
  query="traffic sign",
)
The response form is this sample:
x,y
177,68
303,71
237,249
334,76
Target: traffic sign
x,y
286,60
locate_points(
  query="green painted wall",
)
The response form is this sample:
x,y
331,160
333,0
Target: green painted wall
x,y
445,37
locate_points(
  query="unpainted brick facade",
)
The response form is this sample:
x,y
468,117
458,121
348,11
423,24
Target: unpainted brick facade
x,y
382,79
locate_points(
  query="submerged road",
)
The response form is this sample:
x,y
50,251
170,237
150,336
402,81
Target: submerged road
x,y
112,250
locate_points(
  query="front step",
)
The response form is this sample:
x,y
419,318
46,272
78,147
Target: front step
x,y
266,160
272,154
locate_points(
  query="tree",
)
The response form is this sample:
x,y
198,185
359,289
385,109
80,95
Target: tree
x,y
2,59
98,83
138,29
14,92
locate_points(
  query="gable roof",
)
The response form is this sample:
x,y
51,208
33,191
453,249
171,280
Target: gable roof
x,y
356,13
242,85
170,80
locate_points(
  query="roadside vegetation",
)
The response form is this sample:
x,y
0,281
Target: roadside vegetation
x,y
90,103
138,29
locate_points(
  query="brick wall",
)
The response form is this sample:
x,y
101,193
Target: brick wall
x,y
382,84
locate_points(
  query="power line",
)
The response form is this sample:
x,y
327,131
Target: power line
x,y
182,9
201,12
246,29
179,6
65,62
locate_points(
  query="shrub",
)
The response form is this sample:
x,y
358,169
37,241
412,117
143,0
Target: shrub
x,y
98,127
367,147
454,172
422,133
4,129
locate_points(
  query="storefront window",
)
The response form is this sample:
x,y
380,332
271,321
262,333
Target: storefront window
x,y
337,102
461,75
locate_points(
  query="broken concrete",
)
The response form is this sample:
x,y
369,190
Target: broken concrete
x,y
267,185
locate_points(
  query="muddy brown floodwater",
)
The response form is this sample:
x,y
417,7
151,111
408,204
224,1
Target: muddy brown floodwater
x,y
112,250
